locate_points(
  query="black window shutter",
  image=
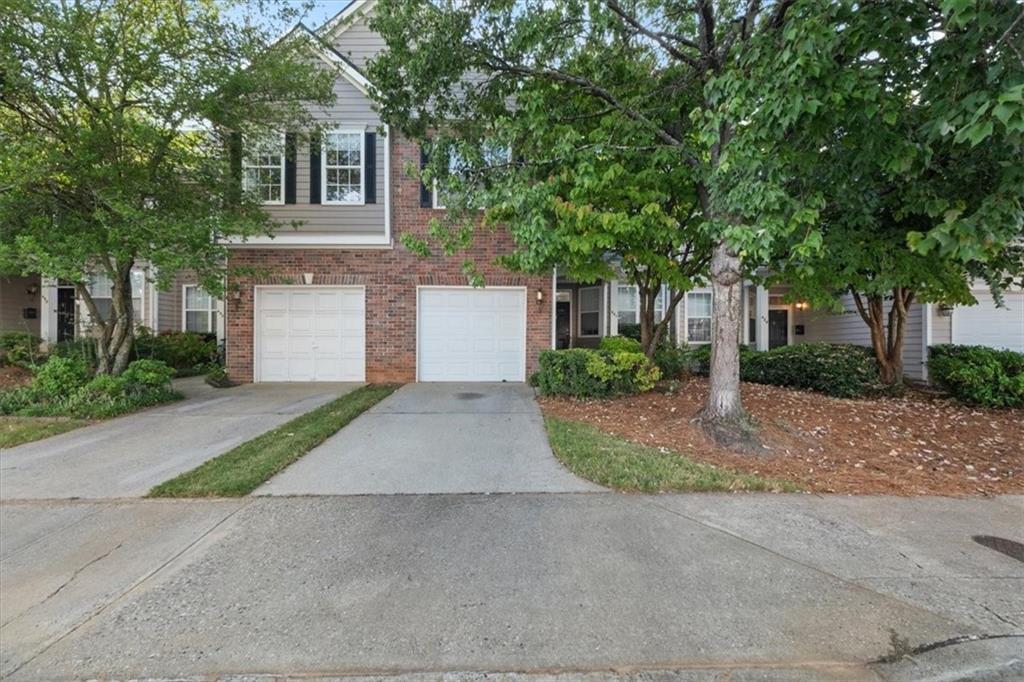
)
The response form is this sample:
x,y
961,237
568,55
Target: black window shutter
x,y
235,170
426,196
370,168
314,169
289,168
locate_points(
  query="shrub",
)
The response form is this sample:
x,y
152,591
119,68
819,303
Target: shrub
x,y
81,349
58,378
186,352
630,331
843,371
620,344
978,375
15,400
670,359
840,370
217,376
587,373
19,348
142,375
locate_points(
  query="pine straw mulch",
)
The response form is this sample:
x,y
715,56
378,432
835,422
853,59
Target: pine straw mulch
x,y
12,376
918,444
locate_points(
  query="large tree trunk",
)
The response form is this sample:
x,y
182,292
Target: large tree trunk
x,y
724,416
114,336
887,330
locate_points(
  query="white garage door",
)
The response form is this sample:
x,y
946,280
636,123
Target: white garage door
x,y
467,334
986,325
310,334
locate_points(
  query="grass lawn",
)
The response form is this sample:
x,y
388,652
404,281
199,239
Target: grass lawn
x,y
18,430
244,468
622,465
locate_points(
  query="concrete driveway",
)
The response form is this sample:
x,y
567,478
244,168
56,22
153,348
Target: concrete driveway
x,y
705,587
127,456
436,438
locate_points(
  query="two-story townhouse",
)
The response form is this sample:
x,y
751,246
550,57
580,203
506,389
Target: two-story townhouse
x,y
339,298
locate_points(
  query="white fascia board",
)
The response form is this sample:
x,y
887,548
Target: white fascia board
x,y
339,23
328,55
308,240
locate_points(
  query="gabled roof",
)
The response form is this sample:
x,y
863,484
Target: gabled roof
x,y
328,54
341,21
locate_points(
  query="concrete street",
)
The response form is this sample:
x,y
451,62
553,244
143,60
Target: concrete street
x,y
126,456
589,585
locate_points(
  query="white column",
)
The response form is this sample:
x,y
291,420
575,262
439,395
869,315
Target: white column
x,y
48,309
761,313
745,331
612,287
554,307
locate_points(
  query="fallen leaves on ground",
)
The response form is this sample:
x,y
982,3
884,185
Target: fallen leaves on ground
x,y
917,444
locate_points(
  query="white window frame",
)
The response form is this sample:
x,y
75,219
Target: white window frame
x,y
710,317
185,310
662,298
246,165
581,311
362,166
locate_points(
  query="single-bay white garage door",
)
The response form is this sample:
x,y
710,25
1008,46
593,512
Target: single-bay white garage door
x,y
986,325
310,334
471,334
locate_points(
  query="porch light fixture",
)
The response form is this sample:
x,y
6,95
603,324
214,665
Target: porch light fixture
x,y
802,305
307,278
540,295
945,310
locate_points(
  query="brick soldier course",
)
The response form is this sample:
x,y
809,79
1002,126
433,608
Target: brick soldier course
x,y
390,276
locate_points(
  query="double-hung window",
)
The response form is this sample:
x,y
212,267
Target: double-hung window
x,y
263,169
101,290
492,154
698,317
342,167
627,302
199,310
590,311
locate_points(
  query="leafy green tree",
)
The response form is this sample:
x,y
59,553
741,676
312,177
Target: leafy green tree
x,y
651,76
917,151
116,125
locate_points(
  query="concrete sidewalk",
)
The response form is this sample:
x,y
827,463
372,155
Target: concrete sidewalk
x,y
436,438
126,456
756,586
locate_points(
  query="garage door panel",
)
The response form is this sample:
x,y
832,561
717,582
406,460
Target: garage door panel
x,y
471,334
314,335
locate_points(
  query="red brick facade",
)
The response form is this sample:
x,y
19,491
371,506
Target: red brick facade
x,y
390,276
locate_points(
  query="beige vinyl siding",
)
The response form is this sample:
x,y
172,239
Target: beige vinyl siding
x,y
357,42
942,327
14,297
169,304
848,327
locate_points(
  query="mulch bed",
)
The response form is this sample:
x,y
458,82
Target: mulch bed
x,y
918,444
12,376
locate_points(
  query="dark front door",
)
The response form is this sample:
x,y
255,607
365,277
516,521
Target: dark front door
x,y
778,328
65,314
563,324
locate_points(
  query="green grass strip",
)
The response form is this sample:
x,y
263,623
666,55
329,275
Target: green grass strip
x,y
243,469
18,430
622,465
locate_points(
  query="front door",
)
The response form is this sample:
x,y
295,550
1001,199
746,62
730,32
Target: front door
x,y
563,324
778,328
65,313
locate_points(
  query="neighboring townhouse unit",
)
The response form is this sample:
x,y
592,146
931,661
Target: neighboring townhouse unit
x,y
51,310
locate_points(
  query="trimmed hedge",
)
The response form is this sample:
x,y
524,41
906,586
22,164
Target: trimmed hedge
x,y
979,375
586,373
187,352
840,370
